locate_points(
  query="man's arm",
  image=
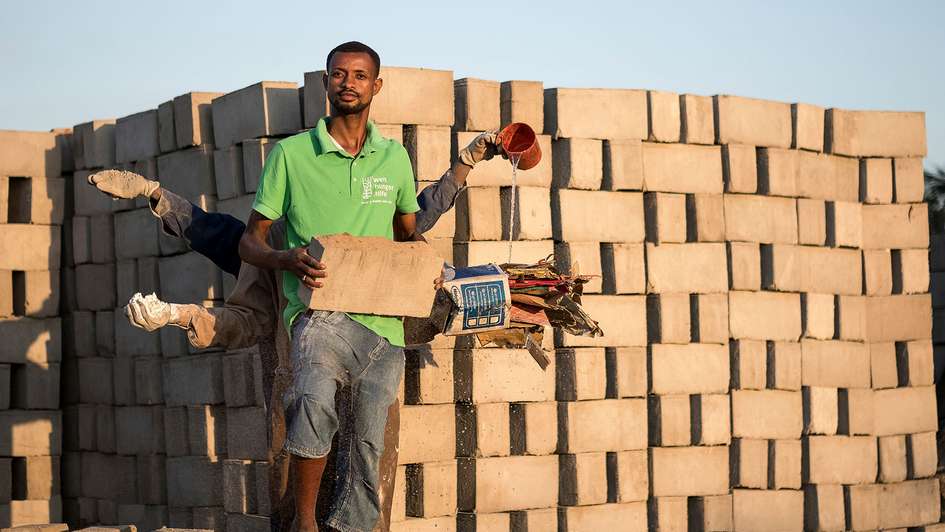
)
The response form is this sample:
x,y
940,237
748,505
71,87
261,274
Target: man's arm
x,y
405,228
255,250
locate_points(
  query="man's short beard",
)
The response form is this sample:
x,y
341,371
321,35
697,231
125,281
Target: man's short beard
x,y
349,108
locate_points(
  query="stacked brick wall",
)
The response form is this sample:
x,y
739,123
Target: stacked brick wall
x,y
760,271
32,211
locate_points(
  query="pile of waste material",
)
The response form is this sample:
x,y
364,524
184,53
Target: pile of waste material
x,y
541,296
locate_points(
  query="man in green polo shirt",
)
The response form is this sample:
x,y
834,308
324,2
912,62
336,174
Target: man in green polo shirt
x,y
340,177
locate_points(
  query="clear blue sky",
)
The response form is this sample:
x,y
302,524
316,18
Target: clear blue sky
x,y
66,62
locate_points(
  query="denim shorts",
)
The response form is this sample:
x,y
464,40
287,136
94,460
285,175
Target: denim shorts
x,y
335,355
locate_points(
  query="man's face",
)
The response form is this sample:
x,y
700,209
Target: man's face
x,y
351,82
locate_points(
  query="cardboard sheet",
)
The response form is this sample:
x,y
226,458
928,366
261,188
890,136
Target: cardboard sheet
x,y
373,275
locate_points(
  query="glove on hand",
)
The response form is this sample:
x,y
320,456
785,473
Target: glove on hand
x,y
482,148
121,184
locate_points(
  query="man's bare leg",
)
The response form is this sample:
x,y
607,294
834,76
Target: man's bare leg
x,y
307,473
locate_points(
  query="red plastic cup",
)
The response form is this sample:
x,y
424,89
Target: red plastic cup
x,y
519,141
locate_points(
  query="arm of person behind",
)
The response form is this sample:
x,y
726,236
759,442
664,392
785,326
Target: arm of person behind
x,y
250,313
439,197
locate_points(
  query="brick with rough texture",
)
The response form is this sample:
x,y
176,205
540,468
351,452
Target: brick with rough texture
x,y
595,113
875,133
751,121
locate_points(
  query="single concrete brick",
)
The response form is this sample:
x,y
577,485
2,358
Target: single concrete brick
x,y
507,483
663,113
672,469
665,217
785,461
811,222
841,460
682,168
189,173
429,376
136,234
624,516
228,171
35,386
909,180
670,415
876,180
847,226
892,458
265,109
908,503
189,277
821,410
533,428
689,368
255,153
852,317
783,309
28,340
623,165
632,476
476,104
745,265
242,379
623,268
835,363
824,507
522,101
706,218
667,318
765,219
139,430
194,481
770,414
778,171
808,126
167,135
581,374
429,150
483,430
750,360
698,120
750,463
38,246
604,425
623,317
895,226
193,118
136,137
595,113
532,213
914,266
768,510
631,371
875,133
501,375
577,163
904,410
707,272
94,144
740,168
431,489
582,479
193,381
898,317
818,316
427,434
246,433
587,258
751,121
827,177
102,238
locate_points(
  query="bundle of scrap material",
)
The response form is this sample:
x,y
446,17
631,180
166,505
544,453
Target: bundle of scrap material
x,y
508,306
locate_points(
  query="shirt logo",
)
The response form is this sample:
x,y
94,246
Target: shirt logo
x,y
377,190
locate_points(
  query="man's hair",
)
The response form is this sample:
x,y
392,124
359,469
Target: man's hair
x,y
356,47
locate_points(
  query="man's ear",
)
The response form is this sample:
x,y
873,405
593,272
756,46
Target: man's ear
x,y
325,80
378,83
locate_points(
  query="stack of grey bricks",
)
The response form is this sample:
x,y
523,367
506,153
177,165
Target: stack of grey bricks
x,y
32,210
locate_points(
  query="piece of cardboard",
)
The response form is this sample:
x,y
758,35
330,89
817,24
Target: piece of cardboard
x,y
373,275
481,300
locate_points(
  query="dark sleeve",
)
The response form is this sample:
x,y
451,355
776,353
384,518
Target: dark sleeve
x,y
435,200
212,234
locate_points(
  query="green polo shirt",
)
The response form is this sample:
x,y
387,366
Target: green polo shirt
x,y
323,190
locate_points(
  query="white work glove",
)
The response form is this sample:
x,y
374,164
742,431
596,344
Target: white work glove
x,y
482,148
122,184
150,313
